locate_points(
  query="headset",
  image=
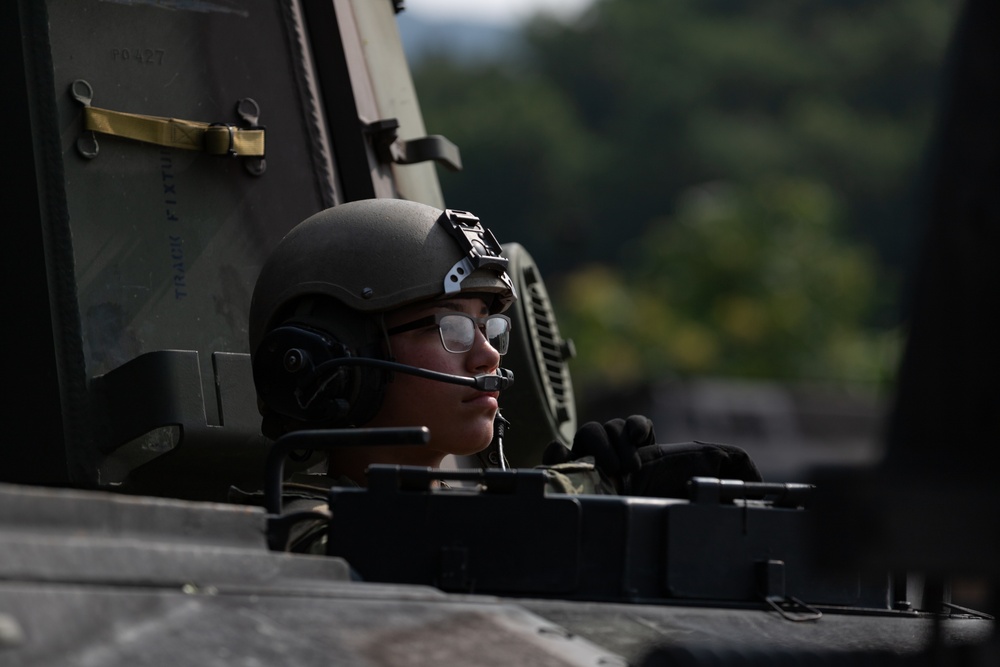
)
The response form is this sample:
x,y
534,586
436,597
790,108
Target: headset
x,y
306,372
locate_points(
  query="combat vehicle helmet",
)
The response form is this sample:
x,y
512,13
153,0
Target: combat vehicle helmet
x,y
323,290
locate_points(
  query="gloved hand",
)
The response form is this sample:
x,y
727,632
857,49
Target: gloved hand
x,y
666,469
614,445
626,454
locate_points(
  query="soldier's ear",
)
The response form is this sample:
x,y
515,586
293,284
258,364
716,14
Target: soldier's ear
x,y
297,374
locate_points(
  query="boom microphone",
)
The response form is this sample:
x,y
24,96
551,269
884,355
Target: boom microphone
x,y
498,381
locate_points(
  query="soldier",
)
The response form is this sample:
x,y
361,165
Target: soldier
x,y
388,312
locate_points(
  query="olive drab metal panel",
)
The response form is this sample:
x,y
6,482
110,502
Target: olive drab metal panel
x,y
174,144
390,94
166,241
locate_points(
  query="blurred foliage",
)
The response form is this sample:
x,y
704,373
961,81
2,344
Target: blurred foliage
x,y
709,186
743,281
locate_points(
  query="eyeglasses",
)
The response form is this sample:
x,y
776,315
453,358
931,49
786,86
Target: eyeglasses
x,y
458,330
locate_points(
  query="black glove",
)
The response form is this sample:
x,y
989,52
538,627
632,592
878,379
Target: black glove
x,y
615,446
626,454
666,469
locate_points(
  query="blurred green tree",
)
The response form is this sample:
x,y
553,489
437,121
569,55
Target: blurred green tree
x,y
716,186
752,281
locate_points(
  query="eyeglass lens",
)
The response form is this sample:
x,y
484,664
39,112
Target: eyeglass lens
x,y
458,332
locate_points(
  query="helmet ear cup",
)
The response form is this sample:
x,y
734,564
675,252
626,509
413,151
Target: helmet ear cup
x,y
300,374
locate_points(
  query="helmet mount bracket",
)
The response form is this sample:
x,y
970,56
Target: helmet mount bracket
x,y
480,249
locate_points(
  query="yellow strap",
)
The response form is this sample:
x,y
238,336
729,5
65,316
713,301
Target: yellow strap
x,y
175,133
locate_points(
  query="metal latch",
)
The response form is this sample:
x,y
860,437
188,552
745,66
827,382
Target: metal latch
x,y
391,149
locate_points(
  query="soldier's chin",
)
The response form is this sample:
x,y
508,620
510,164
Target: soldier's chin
x,y
471,445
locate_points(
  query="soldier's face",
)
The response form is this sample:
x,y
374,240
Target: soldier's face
x,y
460,418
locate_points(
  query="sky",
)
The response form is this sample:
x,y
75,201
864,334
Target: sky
x,y
492,11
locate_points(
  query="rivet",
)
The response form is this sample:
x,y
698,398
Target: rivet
x,y
367,293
